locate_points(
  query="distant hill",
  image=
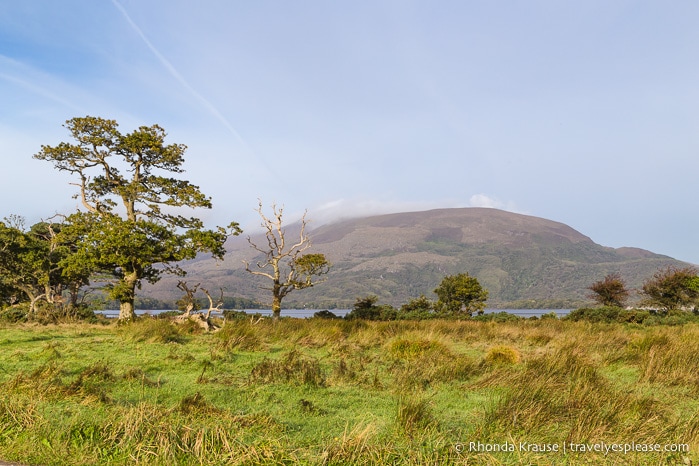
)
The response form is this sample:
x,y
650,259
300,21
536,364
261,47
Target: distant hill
x,y
523,261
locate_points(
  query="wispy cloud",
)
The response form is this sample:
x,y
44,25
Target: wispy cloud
x,y
342,209
30,79
483,200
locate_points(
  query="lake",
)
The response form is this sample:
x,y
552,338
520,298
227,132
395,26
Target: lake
x,y
306,313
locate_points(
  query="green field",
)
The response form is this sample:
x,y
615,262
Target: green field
x,y
349,392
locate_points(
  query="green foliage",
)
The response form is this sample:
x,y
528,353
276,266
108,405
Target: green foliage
x,y
497,317
14,314
633,316
672,288
367,309
308,266
417,309
598,314
145,239
460,294
31,268
325,315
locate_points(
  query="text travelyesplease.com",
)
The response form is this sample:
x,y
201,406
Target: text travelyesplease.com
x,y
570,447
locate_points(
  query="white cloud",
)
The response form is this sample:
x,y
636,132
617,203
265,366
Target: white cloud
x,y
342,209
483,200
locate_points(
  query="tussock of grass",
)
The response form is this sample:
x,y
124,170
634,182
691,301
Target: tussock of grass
x,y
502,355
414,414
153,331
293,367
671,362
353,447
239,334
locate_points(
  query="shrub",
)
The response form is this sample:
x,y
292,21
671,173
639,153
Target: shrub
x,y
325,315
229,314
14,314
605,314
637,316
417,309
366,308
497,317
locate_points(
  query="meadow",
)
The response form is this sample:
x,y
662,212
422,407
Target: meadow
x,y
337,392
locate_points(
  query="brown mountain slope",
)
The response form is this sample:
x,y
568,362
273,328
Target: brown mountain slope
x,y
522,260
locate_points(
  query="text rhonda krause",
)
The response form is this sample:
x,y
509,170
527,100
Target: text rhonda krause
x,y
572,447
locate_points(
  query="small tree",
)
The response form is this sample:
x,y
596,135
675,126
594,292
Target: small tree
x,y
461,294
672,288
611,291
286,266
366,308
127,189
417,308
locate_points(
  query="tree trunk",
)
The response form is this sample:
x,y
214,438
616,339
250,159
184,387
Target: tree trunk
x,y
126,311
276,306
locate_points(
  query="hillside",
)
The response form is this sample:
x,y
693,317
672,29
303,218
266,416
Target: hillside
x,y
523,261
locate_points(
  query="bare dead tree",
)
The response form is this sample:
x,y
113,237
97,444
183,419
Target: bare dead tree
x,y
188,301
286,266
212,308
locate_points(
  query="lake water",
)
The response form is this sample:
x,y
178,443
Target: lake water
x,y
306,313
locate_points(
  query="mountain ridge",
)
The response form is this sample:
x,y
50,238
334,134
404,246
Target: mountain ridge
x,y
524,261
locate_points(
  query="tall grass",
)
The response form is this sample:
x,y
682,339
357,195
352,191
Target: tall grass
x,y
323,391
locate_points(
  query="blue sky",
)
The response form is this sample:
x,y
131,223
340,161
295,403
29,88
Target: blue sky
x,y
585,113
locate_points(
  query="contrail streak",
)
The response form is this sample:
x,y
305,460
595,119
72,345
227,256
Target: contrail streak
x,y
173,71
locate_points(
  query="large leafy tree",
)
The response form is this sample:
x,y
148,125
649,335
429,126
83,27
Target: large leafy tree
x,y
460,294
31,264
610,291
130,228
285,265
23,264
672,288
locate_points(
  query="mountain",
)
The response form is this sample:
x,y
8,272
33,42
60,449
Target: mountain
x,y
523,261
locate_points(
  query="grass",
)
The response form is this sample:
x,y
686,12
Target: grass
x,y
341,392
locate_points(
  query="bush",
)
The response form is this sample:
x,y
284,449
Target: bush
x,y
325,315
366,308
606,314
14,314
497,317
611,314
233,315
417,309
